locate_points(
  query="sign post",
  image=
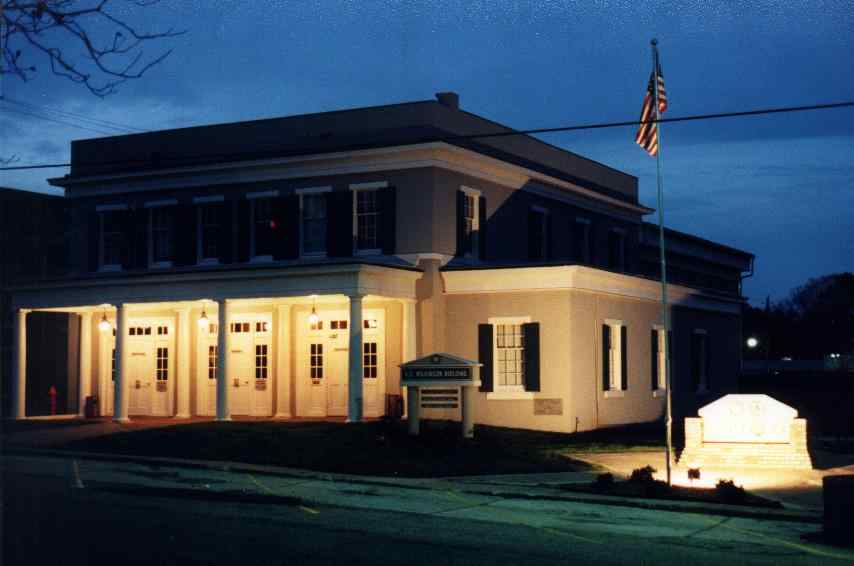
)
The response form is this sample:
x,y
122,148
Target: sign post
x,y
445,371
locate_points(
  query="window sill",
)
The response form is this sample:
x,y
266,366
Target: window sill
x,y
109,268
614,393
208,261
159,264
313,255
261,259
659,393
509,395
372,251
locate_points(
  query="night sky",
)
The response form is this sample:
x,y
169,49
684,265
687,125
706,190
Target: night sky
x,y
779,186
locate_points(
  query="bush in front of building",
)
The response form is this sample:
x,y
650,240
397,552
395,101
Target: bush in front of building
x,y
604,481
728,492
643,475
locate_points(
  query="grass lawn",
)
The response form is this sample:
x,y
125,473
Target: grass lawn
x,y
370,448
26,425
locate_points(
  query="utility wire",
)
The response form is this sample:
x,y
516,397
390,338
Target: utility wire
x,y
98,122
57,121
507,133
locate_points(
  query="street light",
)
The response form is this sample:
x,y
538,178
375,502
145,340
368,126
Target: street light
x,y
752,342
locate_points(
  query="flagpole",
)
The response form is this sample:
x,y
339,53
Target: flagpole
x,y
665,313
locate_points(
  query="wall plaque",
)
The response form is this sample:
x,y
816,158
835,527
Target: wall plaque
x,y
548,406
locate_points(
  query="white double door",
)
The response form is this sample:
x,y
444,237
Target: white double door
x,y
250,357
323,360
151,366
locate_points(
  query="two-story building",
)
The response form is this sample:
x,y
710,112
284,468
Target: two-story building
x,y
287,267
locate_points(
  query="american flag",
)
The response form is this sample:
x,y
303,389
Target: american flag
x,y
647,136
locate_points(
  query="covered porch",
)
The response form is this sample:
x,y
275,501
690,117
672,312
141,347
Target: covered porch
x,y
302,341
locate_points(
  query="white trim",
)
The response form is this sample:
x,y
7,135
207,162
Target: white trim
x,y
470,191
508,320
208,199
509,395
110,207
659,393
314,190
160,203
416,258
613,322
262,194
368,186
614,393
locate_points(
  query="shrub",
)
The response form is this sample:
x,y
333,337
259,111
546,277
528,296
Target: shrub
x,y
604,481
643,475
728,492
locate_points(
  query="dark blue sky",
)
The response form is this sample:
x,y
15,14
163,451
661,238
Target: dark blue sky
x,y
780,186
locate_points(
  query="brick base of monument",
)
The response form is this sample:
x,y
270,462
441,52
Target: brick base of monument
x,y
789,455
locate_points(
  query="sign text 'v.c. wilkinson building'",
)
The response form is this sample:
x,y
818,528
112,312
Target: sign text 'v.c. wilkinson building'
x,y
288,267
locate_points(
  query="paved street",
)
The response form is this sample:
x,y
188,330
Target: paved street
x,y
67,511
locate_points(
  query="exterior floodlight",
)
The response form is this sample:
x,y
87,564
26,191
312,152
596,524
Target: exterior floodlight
x,y
104,325
203,320
752,342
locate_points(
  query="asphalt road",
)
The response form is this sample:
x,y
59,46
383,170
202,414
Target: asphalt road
x,y
60,511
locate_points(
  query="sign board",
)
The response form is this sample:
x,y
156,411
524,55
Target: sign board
x,y
440,369
756,419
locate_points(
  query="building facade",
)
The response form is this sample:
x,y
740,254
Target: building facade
x,y
287,267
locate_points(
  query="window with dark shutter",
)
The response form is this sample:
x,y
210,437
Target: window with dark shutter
x,y
185,234
606,357
339,213
581,241
616,250
461,225
624,358
537,235
531,340
654,358
481,228
94,227
314,223
484,349
285,227
263,226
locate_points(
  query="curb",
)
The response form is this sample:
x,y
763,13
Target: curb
x,y
438,484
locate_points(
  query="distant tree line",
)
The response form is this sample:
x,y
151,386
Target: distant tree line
x,y
815,320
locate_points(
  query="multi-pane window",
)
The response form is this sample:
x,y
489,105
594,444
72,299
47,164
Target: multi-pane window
x,y
139,331
338,325
369,359
162,364
316,362
262,227
367,220
469,224
161,234
260,361
162,330
313,223
510,359
581,240
112,239
614,356
262,326
209,227
212,361
239,327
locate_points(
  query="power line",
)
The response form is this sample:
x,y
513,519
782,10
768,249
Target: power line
x,y
695,117
98,122
57,121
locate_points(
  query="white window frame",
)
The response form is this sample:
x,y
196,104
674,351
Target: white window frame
x,y
356,188
200,203
586,249
254,197
151,206
302,193
474,253
615,356
622,252
101,209
660,389
703,382
505,392
544,232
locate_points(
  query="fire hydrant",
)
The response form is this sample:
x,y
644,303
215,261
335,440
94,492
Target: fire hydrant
x,y
52,394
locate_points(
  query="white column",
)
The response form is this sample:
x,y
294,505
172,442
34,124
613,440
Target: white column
x,y
85,368
182,381
354,390
223,411
408,344
120,395
19,383
283,363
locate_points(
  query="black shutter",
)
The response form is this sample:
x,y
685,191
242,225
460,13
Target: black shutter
x,y
624,358
185,234
484,349
531,337
94,236
461,223
285,233
226,231
606,357
139,242
653,354
244,230
389,220
482,231
339,224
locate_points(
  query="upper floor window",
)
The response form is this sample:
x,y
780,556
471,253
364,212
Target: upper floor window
x,y
469,223
209,231
538,234
367,220
581,242
112,240
614,358
162,219
262,228
313,220
617,250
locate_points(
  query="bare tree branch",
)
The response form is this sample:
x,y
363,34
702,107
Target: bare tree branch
x,y
81,39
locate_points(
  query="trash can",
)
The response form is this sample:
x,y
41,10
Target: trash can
x,y
91,408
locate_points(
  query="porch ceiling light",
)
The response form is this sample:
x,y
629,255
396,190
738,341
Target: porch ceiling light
x,y
313,317
203,320
104,325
